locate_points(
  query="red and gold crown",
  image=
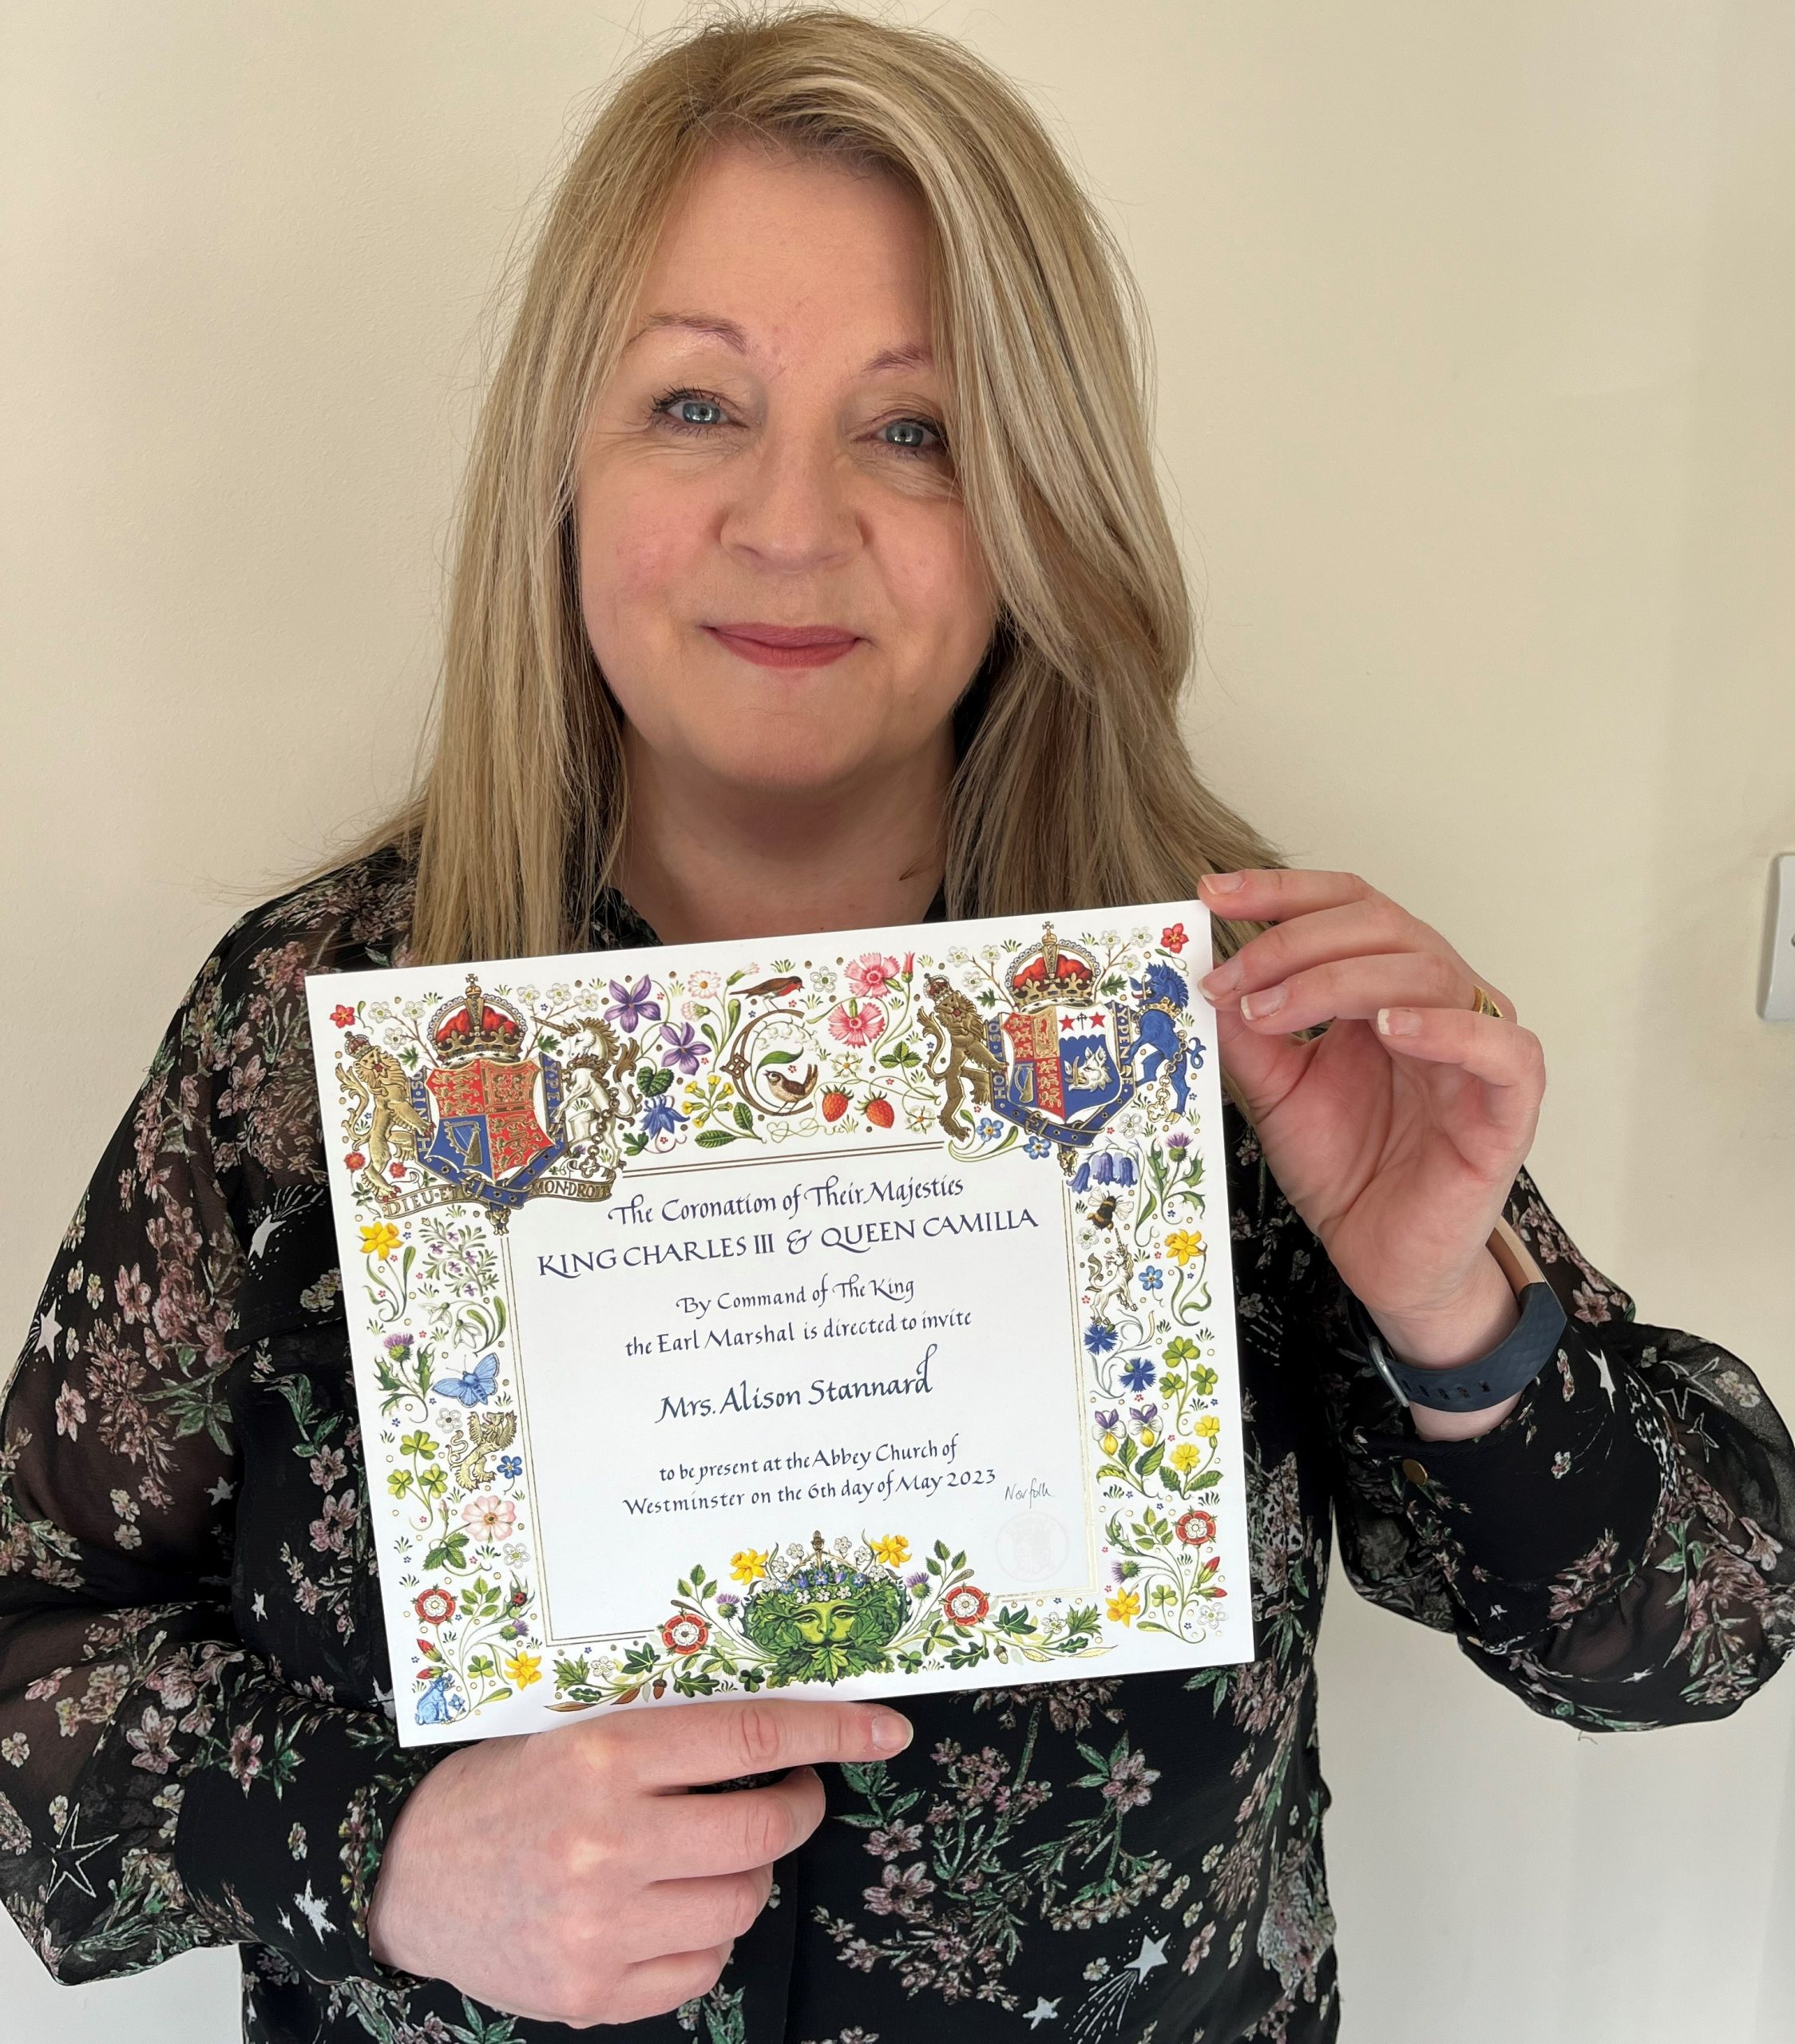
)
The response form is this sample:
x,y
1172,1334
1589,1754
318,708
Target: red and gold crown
x,y
478,1025
1053,971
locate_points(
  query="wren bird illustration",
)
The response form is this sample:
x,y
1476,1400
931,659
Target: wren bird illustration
x,y
785,1086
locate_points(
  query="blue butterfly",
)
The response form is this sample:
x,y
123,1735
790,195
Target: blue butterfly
x,y
438,1704
473,1387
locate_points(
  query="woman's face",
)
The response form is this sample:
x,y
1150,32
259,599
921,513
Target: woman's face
x,y
753,463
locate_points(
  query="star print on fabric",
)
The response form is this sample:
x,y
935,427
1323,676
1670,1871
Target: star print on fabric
x,y
1043,2011
47,1329
259,1604
1152,1953
1605,1375
221,1491
70,1854
314,1910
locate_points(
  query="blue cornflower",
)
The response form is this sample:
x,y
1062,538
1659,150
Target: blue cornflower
x,y
660,1117
684,1049
1099,1339
632,1005
1138,1374
510,1466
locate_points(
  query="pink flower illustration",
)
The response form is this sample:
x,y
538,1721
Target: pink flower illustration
x,y
871,974
857,1022
488,1517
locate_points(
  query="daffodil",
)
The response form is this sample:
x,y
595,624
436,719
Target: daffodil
x,y
1124,1607
747,1566
381,1239
523,1669
893,1550
1184,1243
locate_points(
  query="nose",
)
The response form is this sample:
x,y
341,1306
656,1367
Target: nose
x,y
792,506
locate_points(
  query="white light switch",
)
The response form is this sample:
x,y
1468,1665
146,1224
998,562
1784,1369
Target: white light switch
x,y
1776,982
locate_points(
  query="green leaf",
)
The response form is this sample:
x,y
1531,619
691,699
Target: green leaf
x,y
744,1115
714,1138
1151,1459
777,1057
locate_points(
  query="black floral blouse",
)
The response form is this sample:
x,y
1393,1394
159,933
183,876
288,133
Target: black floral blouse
x,y
196,1735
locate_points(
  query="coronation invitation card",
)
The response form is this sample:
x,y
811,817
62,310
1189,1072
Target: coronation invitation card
x,y
843,1314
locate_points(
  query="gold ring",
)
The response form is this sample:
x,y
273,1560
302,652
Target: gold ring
x,y
1483,1005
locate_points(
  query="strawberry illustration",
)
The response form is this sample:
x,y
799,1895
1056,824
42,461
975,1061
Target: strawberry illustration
x,y
879,1111
834,1104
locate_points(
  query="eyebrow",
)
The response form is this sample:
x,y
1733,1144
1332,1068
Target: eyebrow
x,y
916,354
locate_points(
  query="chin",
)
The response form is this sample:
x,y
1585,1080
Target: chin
x,y
777,756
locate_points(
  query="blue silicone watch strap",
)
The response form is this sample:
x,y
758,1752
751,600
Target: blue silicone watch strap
x,y
1509,1367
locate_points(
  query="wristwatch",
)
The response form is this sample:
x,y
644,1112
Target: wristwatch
x,y
1509,1367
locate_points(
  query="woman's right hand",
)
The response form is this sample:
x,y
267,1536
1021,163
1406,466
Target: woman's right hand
x,y
567,1876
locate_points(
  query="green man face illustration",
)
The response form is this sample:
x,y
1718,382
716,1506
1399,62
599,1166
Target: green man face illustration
x,y
826,1622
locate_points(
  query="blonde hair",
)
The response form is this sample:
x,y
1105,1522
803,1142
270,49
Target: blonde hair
x,y
1073,787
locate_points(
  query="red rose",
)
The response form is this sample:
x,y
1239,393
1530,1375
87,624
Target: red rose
x,y
966,1605
1196,1529
684,1633
354,1160
434,1605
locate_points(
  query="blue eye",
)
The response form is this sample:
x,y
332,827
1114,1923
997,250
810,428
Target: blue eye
x,y
669,406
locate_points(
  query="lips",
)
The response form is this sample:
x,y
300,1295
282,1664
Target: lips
x,y
785,635
783,645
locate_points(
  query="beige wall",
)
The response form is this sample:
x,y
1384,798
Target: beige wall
x,y
1476,329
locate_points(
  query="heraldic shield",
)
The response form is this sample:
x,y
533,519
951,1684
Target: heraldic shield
x,y
488,1139
481,1121
1070,1060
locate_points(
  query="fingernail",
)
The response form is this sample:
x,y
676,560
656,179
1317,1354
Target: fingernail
x,y
1398,1021
1223,883
891,1733
1267,1002
1223,979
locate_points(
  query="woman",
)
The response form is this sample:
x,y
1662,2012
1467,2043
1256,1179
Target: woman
x,y
821,345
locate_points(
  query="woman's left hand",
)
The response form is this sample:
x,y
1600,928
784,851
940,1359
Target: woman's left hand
x,y
1396,1134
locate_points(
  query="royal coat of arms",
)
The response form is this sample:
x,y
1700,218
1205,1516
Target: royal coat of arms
x,y
1066,1061
480,1120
